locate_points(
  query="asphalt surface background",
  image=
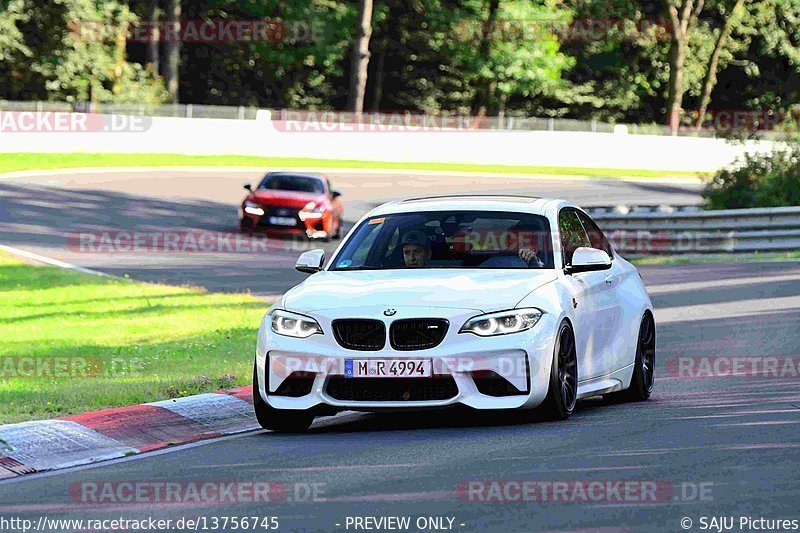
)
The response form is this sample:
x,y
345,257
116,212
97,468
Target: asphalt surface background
x,y
721,446
48,214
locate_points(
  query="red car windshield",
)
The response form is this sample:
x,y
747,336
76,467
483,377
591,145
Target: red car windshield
x,y
288,182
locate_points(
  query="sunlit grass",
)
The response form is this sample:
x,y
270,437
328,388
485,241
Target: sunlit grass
x,y
43,161
150,342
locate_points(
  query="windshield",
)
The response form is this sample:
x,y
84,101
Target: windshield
x,y
448,239
288,182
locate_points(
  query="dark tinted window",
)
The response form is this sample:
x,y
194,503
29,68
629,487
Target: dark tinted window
x,y
572,234
288,182
596,236
455,239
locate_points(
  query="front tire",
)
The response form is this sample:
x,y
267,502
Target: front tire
x,y
562,391
281,420
246,226
644,366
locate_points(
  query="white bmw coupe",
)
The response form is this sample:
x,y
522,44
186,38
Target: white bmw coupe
x,y
489,302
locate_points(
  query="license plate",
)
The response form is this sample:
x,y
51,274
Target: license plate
x,y
388,368
282,221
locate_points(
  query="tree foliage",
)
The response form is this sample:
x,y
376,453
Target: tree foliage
x,y
758,180
70,50
515,57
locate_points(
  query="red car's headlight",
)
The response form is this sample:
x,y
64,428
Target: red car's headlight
x,y
253,208
312,210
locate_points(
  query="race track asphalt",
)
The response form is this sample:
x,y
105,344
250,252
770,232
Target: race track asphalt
x,y
48,215
723,446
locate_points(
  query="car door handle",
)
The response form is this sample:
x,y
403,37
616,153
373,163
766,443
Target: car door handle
x,y
609,280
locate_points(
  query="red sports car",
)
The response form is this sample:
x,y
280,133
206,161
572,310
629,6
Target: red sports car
x,y
288,201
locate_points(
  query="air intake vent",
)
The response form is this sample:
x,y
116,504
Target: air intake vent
x,y
297,384
492,384
392,389
417,333
360,334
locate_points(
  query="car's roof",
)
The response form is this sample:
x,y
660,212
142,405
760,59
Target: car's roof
x,y
471,202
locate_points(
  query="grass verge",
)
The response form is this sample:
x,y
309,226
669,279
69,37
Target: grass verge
x,y
90,343
13,162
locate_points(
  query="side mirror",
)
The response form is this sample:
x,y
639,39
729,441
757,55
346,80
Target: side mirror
x,y
311,261
335,194
248,187
588,260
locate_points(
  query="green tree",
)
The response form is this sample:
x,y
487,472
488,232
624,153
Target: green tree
x,y
467,56
12,42
14,52
74,50
302,67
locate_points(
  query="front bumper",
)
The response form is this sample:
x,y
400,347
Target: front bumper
x,y
522,360
309,227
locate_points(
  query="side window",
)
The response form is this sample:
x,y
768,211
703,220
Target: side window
x,y
572,234
596,236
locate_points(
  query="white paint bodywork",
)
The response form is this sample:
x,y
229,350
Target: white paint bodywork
x,y
606,320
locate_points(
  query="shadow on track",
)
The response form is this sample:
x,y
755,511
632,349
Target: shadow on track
x,y
441,419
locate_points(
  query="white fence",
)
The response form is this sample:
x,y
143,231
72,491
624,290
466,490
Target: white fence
x,y
506,122
266,137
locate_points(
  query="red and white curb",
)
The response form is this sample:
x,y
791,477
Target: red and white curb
x,y
29,447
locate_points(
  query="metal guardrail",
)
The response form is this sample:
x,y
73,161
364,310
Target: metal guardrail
x,y
650,230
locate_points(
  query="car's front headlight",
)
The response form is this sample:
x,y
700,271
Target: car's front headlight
x,y
502,322
253,208
293,325
312,210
